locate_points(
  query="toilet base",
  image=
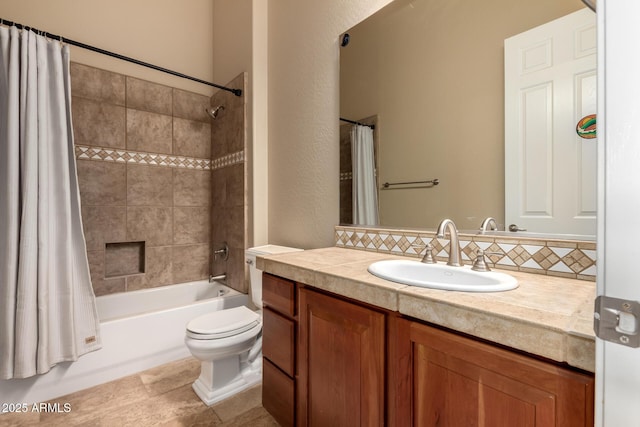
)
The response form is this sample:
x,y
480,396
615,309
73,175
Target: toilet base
x,y
224,378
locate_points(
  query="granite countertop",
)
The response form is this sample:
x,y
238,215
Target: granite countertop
x,y
547,316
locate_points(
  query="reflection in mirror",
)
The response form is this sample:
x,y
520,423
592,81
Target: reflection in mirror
x,y
365,187
430,75
347,182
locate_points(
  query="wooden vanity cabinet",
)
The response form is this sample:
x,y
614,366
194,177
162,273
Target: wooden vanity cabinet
x,y
451,380
329,361
341,362
279,348
323,358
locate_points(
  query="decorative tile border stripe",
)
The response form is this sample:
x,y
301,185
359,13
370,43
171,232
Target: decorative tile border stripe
x,y
228,160
117,155
565,258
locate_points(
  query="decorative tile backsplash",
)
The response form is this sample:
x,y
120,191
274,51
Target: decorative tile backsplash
x,y
564,258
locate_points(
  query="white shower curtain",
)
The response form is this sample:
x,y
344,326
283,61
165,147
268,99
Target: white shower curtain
x,y
365,192
47,306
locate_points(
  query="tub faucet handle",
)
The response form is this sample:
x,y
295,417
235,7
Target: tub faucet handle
x,y
223,252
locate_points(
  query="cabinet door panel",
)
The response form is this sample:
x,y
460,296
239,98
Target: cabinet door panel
x,y
458,381
503,409
458,393
341,362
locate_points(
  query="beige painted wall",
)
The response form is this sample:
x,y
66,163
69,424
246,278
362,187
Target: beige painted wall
x,y
434,74
162,32
240,45
303,116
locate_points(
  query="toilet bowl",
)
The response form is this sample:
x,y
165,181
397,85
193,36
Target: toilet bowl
x,y
228,342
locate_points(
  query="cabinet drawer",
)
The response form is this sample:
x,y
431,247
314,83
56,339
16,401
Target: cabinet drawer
x,y
278,341
278,392
278,294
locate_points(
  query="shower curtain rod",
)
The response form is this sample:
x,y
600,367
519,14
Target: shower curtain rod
x,y
356,123
236,92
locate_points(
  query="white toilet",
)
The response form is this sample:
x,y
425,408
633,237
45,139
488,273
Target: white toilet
x,y
229,342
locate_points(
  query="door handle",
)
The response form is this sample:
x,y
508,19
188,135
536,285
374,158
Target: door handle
x,y
514,228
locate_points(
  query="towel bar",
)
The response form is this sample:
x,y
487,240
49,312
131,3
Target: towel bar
x,y
433,182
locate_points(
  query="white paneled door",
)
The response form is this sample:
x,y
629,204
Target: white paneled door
x,y
550,84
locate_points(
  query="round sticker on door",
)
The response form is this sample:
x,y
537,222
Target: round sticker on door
x,y
586,127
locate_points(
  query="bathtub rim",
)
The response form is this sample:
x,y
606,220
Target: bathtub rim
x,y
109,298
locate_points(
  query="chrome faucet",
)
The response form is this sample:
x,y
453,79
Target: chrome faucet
x,y
488,224
455,255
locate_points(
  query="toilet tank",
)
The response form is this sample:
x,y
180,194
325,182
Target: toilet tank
x,y
255,275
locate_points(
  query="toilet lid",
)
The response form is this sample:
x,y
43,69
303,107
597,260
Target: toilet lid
x,y
223,323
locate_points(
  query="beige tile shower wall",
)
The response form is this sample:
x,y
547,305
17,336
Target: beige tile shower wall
x,y
143,154
229,203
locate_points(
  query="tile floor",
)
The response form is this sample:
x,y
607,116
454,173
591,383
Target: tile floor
x,y
160,396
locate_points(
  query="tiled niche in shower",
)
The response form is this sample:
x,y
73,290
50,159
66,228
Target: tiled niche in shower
x,y
124,259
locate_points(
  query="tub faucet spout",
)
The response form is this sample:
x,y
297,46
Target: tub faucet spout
x,y
218,278
455,254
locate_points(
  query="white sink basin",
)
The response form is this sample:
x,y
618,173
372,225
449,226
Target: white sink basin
x,y
441,276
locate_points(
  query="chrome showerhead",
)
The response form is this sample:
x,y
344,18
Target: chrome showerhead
x,y
214,111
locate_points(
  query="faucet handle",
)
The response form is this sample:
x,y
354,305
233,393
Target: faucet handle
x,y
428,255
480,263
223,252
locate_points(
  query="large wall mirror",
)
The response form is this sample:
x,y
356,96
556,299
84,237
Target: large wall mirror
x,y
430,74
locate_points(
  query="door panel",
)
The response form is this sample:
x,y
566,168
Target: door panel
x,y
550,84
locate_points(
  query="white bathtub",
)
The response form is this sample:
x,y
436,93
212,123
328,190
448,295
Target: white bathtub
x,y
139,330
